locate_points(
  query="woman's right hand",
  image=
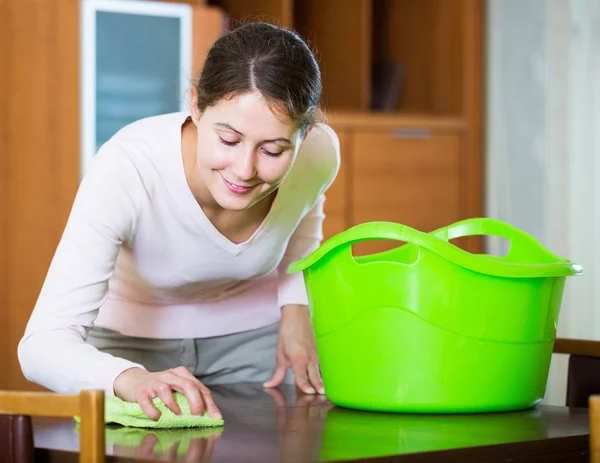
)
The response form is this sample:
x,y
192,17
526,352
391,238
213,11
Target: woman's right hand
x,y
141,386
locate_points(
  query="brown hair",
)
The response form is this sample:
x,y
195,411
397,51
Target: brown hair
x,y
263,57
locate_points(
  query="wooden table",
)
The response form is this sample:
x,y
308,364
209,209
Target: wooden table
x,y
279,426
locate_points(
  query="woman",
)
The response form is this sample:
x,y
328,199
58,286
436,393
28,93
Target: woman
x,y
171,272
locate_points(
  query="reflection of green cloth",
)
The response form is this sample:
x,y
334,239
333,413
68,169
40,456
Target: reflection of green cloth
x,y
165,438
131,414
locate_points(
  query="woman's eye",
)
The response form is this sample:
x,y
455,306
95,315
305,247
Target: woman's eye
x,y
228,143
271,153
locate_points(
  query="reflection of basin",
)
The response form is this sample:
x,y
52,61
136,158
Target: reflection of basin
x,y
165,438
355,434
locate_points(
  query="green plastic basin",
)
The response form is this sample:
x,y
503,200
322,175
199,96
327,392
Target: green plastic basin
x,y
430,328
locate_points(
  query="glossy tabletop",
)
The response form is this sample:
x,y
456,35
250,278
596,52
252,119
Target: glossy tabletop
x,y
282,426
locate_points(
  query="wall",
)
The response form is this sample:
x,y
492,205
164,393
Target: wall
x,y
39,148
543,154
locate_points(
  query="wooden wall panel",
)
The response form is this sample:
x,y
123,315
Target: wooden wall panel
x,y
340,33
39,122
42,147
4,179
425,36
412,181
447,82
473,174
207,28
403,33
278,12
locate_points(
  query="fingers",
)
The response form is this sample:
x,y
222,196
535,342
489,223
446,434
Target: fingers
x,y
314,376
147,406
180,380
190,389
278,376
307,374
198,395
211,407
165,392
300,368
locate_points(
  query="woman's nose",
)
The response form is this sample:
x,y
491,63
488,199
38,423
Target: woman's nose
x,y
245,165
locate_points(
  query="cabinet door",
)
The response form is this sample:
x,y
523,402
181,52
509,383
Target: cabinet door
x,y
136,63
405,177
336,197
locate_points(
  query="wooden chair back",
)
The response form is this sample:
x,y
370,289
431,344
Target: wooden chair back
x,y
594,405
89,405
583,375
16,439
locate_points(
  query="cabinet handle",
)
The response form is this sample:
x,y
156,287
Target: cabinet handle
x,y
417,133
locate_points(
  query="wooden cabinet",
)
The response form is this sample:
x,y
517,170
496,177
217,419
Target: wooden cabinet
x,y
401,169
407,176
40,147
391,168
432,40
405,179
419,162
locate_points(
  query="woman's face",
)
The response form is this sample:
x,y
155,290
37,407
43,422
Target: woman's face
x,y
244,151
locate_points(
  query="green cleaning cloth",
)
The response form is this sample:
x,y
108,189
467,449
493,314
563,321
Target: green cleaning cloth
x,y
131,414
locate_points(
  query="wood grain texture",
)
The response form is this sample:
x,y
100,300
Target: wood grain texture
x,y
208,25
425,36
88,405
339,31
406,180
472,169
594,405
16,439
39,404
188,2
278,12
404,34
389,121
448,55
5,174
42,146
92,438
280,425
336,202
577,347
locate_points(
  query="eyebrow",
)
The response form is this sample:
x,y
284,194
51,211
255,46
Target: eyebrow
x,y
224,125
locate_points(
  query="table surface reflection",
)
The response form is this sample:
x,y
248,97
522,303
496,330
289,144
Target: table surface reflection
x,y
283,426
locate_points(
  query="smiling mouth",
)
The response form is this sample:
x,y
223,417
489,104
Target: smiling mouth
x,y
238,189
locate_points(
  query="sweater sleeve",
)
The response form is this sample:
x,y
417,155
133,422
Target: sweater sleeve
x,y
52,351
324,149
306,238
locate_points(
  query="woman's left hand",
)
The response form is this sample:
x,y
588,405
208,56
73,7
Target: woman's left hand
x,y
296,349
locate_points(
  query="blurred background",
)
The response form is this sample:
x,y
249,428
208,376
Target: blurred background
x,y
445,109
